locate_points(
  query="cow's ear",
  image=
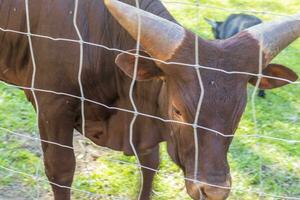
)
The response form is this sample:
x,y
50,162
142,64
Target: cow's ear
x,y
146,70
277,71
213,23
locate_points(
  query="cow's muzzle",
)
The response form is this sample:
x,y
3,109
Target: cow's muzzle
x,y
203,191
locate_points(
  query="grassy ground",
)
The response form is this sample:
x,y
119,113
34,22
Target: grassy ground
x,y
278,116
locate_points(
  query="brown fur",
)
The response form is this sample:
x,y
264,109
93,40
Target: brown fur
x,y
172,92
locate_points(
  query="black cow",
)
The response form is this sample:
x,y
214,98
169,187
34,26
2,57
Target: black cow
x,y
231,26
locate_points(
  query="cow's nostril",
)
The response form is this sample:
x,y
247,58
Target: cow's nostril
x,y
202,191
195,190
202,194
214,193
206,192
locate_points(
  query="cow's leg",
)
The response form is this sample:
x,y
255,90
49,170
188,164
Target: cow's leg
x,y
148,160
56,124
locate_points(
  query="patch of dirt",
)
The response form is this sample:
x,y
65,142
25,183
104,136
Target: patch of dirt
x,y
86,154
15,191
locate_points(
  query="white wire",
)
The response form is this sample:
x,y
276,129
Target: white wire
x,y
152,169
33,79
196,139
58,185
135,112
201,96
154,117
131,90
150,58
260,69
226,9
80,66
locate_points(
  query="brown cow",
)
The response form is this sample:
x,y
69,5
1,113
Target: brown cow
x,y
165,90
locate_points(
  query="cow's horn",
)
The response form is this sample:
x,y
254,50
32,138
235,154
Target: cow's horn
x,y
277,35
158,36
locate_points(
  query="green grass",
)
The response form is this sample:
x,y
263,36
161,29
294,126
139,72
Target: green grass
x,y
16,114
277,116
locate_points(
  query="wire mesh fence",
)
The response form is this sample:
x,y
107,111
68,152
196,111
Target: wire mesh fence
x,y
254,136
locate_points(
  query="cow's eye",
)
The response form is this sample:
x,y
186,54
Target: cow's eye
x,y
176,111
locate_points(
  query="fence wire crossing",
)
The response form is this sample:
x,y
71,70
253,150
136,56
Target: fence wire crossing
x,y
33,78
135,111
136,62
127,163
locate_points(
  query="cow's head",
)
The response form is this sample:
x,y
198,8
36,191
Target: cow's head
x,y
225,94
215,27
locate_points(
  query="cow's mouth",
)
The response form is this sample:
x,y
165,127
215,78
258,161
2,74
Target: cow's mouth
x,y
207,191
